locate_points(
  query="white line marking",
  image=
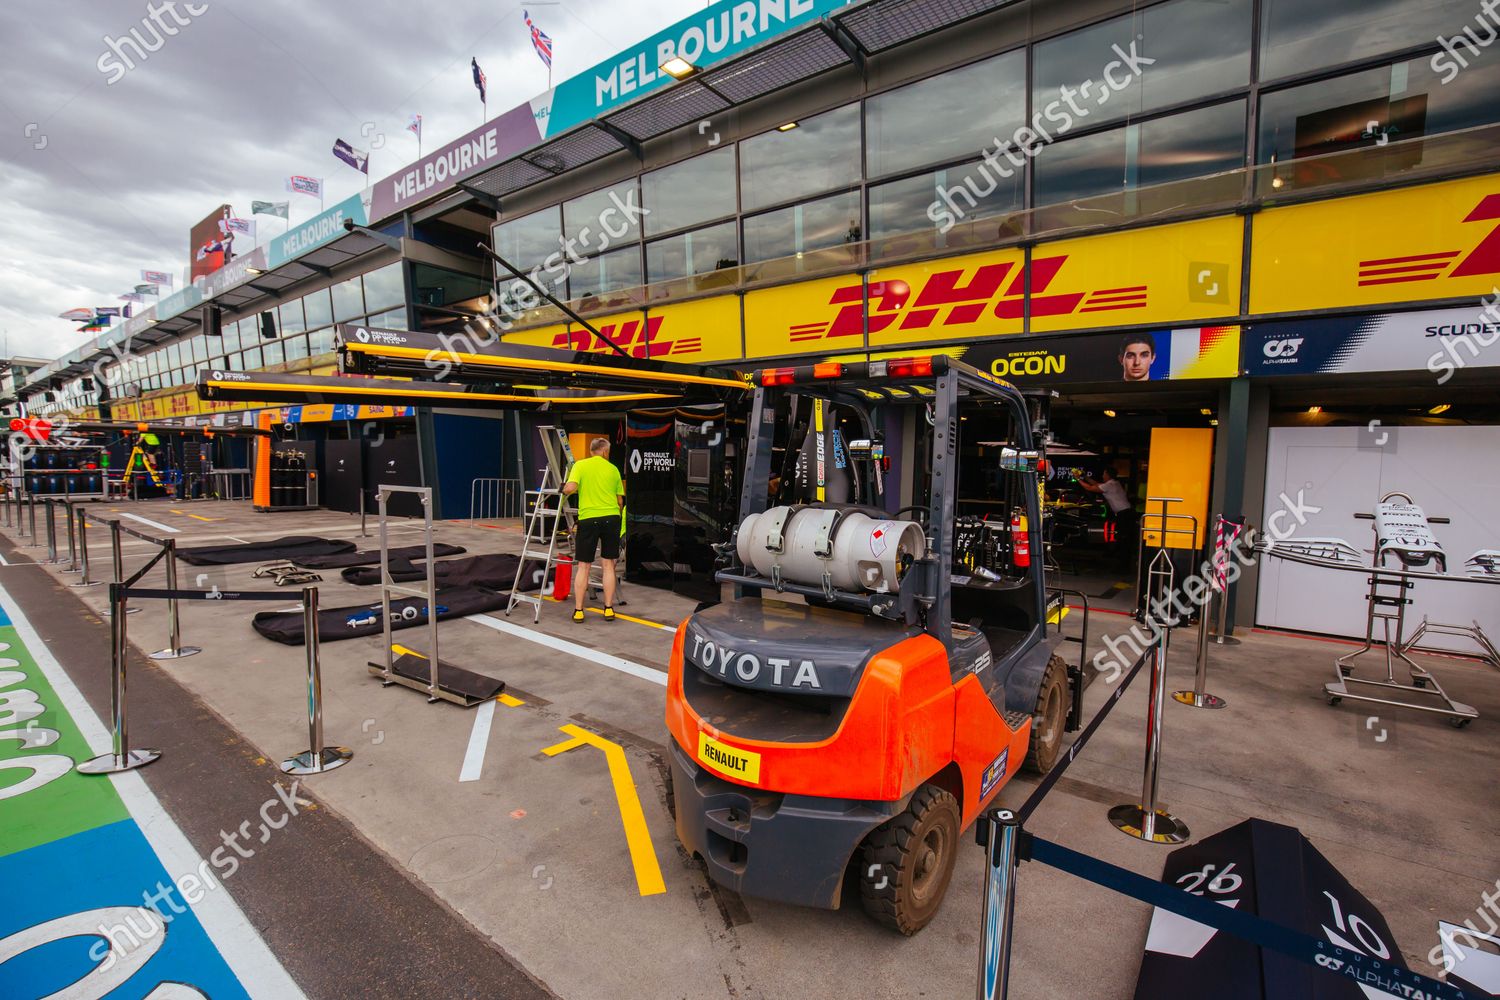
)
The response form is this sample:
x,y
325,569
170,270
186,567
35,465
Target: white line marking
x,y
236,938
582,652
4,561
479,739
154,524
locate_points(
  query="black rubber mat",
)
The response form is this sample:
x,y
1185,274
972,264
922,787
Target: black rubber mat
x,y
494,572
363,619
451,677
371,557
293,548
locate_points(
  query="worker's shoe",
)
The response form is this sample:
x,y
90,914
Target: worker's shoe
x,y
578,615
609,614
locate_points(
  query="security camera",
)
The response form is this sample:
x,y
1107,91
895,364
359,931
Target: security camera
x,y
349,225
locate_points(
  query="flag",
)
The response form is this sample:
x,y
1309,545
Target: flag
x,y
415,126
297,184
131,297
102,311
280,209
157,278
540,40
147,289
77,315
478,79
356,158
245,227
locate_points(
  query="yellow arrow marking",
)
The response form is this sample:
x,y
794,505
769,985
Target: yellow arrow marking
x,y
195,516
637,835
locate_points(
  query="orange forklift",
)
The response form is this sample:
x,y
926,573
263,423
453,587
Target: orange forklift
x,y
877,676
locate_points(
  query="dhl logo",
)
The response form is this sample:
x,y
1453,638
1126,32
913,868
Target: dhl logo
x,y
636,338
947,299
1483,259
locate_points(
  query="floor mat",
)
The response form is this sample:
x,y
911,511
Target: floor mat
x,y
495,572
292,547
371,557
363,619
451,677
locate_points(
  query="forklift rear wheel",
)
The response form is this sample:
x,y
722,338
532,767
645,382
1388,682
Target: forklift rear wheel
x,y
907,862
1050,719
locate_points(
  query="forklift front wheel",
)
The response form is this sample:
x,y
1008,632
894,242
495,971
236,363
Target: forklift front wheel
x,y
907,862
1051,718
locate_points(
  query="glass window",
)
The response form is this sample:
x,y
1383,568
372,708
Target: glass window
x,y
1191,144
393,320
1406,100
1297,36
603,219
272,352
779,166
526,242
321,341
942,200
701,251
688,193
199,347
290,314
250,359
384,287
801,229
317,308
606,273
174,355
1200,48
348,301
296,347
947,117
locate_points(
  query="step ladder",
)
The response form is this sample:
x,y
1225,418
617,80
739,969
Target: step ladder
x,y
549,513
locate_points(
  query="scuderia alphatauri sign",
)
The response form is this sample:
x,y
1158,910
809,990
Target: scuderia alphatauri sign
x,y
1271,871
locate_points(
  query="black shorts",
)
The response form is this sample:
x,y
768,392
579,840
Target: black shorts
x,y
602,533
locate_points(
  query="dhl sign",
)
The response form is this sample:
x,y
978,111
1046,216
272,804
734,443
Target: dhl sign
x,y
1164,274
704,330
1440,241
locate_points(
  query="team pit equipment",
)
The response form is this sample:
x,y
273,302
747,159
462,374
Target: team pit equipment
x,y
1401,533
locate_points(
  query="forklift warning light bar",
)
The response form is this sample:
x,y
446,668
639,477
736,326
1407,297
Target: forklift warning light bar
x,y
891,368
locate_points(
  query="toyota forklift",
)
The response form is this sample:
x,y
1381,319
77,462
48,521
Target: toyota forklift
x,y
880,672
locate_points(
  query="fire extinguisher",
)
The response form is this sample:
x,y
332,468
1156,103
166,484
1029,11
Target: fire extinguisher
x,y
1020,541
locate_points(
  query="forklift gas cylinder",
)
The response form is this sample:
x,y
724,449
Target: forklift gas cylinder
x,y
848,549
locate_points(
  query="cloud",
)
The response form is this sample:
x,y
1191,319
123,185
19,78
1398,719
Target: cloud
x,y
101,180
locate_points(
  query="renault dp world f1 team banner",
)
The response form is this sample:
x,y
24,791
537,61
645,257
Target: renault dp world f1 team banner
x,y
1438,241
1439,341
1139,356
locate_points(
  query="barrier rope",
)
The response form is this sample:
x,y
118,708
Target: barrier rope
x,y
1040,792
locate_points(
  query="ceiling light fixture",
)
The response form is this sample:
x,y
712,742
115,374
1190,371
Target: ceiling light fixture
x,y
1109,413
787,127
678,68
1440,408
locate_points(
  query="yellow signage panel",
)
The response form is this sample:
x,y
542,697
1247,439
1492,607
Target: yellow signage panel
x,y
1181,467
940,301
1170,275
704,330
1438,241
808,317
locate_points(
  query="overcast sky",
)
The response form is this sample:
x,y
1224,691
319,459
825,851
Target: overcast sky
x,y
101,180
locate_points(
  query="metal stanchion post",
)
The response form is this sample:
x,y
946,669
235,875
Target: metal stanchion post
x,y
72,541
1219,637
998,833
317,758
121,757
1145,821
83,550
119,566
1198,697
31,520
175,650
51,531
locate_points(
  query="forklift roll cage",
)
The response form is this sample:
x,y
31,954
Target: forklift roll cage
x,y
941,383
